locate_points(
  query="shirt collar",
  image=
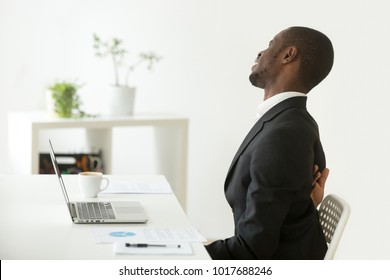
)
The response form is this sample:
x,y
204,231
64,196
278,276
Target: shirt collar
x,y
265,105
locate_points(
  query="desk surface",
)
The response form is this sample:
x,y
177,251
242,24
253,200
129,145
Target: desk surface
x,y
27,233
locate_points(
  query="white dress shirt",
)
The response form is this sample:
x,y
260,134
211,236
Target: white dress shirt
x,y
264,106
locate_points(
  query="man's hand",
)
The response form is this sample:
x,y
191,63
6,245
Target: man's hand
x,y
319,179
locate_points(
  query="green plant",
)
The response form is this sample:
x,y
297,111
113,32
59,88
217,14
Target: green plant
x,y
66,100
117,52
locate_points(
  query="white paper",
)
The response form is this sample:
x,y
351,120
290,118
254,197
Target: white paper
x,y
184,249
147,234
138,187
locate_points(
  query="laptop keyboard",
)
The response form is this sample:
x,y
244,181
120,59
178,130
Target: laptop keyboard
x,y
95,210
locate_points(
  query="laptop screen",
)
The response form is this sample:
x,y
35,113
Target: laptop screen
x,y
58,172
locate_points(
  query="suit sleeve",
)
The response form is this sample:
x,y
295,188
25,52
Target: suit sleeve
x,y
279,166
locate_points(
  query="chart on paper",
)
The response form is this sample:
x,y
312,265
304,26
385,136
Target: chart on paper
x,y
146,234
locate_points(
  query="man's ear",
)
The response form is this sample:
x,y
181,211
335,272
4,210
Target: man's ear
x,y
290,54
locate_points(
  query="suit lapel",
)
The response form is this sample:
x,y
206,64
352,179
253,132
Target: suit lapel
x,y
251,134
256,129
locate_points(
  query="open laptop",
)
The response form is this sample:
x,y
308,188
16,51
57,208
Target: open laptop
x,y
100,212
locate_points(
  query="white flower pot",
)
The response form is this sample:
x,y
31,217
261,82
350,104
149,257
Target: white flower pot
x,y
119,101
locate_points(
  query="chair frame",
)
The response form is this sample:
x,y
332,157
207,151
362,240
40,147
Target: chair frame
x,y
333,214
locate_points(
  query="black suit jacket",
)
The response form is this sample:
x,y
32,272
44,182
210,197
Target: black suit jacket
x,y
268,188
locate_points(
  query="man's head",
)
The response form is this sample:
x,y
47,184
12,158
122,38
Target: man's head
x,y
297,59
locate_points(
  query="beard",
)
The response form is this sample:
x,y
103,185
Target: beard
x,y
256,80
253,78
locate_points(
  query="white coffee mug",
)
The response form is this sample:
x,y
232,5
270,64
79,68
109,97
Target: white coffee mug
x,y
90,183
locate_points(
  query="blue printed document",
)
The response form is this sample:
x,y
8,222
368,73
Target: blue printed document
x,y
147,234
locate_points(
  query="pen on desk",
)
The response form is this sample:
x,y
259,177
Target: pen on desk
x,y
145,245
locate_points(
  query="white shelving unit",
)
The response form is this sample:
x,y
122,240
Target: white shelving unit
x,y
170,136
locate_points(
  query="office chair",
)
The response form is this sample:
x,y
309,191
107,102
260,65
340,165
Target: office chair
x,y
333,213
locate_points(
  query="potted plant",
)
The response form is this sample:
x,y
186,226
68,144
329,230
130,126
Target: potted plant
x,y
121,99
64,101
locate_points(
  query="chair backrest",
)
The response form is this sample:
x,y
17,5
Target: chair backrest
x,y
334,213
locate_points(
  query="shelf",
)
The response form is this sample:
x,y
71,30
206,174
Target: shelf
x,y
171,138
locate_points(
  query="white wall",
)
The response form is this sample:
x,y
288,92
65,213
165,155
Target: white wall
x,y
208,49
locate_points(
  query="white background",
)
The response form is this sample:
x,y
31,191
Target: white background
x,y
208,48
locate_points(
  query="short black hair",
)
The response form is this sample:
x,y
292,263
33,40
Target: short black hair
x,y
315,50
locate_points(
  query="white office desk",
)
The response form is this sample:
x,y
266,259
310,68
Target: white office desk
x,y
27,233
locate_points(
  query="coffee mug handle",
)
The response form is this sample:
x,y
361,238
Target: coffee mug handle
x,y
107,183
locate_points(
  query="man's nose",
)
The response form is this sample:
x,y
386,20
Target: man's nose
x,y
258,55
